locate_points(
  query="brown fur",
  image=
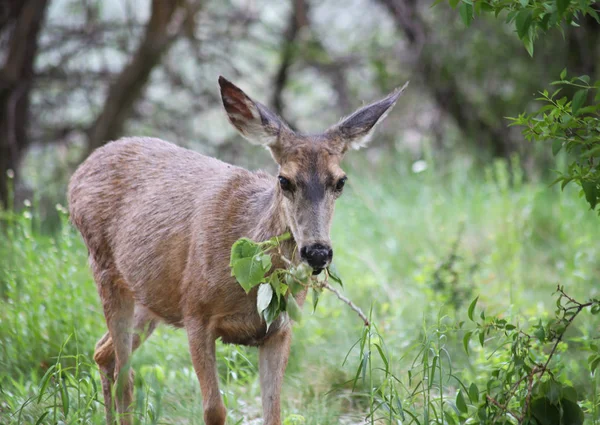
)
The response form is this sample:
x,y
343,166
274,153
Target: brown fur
x,y
159,222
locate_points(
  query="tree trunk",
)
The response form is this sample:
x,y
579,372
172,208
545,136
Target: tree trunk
x,y
166,22
16,79
443,85
298,19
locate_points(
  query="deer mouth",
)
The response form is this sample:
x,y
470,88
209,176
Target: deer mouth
x,y
316,271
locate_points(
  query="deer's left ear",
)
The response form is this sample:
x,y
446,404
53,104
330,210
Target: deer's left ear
x,y
356,130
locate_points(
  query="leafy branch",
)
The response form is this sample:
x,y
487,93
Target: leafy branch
x,y
252,265
518,388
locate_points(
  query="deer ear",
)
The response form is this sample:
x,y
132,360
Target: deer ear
x,y
356,130
254,121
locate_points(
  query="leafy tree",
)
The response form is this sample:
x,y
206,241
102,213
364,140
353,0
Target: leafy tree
x,y
569,116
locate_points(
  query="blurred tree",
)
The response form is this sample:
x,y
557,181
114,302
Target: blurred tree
x,y
20,25
443,81
289,45
168,20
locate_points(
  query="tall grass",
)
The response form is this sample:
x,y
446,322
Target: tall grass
x,y
413,248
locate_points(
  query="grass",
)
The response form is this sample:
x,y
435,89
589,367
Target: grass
x,y
416,248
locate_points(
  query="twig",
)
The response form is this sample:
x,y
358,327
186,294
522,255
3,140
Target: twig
x,y
503,408
529,393
347,301
326,285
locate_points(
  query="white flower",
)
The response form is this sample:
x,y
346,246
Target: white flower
x,y
419,166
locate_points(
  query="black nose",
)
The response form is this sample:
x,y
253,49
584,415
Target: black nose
x,y
316,255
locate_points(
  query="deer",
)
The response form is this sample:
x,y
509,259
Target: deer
x,y
159,222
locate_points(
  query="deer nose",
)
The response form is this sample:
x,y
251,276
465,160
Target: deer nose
x,y
316,255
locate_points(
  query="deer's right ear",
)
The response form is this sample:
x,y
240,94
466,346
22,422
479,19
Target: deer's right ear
x,y
254,121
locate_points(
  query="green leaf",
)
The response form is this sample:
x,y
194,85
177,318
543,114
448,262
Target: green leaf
x,y
593,14
466,13
544,412
64,397
293,284
243,248
45,381
41,418
315,298
565,182
278,287
569,393
293,309
584,78
272,311
528,43
266,261
383,356
571,413
460,402
540,334
453,3
263,299
248,272
466,340
593,362
591,192
449,418
551,390
563,74
578,100
302,272
474,393
334,275
523,22
557,145
247,263
472,308
561,6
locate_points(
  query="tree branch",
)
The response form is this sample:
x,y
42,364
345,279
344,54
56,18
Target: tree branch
x,y
298,19
444,86
347,301
167,20
16,77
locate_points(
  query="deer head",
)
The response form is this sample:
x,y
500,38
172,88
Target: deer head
x,y
310,177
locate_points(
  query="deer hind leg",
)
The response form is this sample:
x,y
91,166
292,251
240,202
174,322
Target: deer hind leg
x,y
118,304
144,323
104,355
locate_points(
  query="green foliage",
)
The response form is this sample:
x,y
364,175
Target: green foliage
x,y
566,124
523,385
251,263
563,121
526,384
529,17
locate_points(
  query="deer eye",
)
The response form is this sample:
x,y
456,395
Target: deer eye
x,y
340,184
285,183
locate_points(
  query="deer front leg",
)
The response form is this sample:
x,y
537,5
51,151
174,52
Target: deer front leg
x,y
273,358
202,350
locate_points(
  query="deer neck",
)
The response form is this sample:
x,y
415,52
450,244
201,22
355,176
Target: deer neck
x,y
272,220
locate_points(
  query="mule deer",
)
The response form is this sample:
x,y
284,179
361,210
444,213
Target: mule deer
x,y
159,222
